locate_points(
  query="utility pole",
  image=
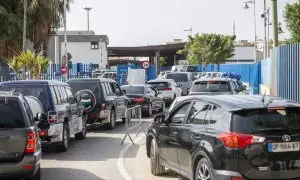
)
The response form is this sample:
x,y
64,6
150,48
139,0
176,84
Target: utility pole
x,y
275,23
265,31
65,57
25,24
255,34
88,16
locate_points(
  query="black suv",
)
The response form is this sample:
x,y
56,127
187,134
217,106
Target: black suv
x,y
63,117
20,145
110,102
228,137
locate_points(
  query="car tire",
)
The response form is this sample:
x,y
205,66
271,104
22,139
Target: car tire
x,y
204,170
112,122
64,145
156,168
162,106
82,135
37,176
150,110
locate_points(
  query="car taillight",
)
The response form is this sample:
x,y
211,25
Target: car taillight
x,y
237,140
168,89
138,100
30,145
237,178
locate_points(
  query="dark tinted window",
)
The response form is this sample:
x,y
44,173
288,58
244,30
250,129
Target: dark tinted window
x,y
93,86
198,113
219,118
36,91
58,96
211,86
178,77
134,89
63,93
11,114
264,121
159,85
179,114
53,95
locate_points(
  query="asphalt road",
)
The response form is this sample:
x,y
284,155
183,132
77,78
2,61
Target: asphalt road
x,y
101,157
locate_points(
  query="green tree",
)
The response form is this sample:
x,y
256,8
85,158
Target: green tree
x,y
163,61
292,19
208,48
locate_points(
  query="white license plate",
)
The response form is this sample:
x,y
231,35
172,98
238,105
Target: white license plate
x,y
284,147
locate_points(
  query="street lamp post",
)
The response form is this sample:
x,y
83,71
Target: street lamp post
x,y
24,24
275,23
255,36
88,16
190,30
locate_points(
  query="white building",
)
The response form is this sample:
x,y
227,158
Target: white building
x,y
84,46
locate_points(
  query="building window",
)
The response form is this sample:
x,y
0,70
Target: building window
x,y
94,45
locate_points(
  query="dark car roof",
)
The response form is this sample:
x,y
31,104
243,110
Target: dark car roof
x,y
239,102
92,79
34,82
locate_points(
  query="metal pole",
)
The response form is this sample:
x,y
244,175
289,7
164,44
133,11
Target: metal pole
x,y
65,35
268,36
275,23
265,30
255,37
88,16
24,25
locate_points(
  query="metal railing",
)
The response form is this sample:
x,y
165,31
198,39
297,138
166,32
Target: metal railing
x,y
133,121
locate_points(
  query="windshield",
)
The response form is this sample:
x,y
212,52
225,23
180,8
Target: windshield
x,y
35,91
134,89
178,77
159,85
263,121
11,114
211,86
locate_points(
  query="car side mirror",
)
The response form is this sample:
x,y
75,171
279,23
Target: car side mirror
x,y
71,100
40,117
160,118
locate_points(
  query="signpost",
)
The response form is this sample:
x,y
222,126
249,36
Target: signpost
x,y
145,64
64,67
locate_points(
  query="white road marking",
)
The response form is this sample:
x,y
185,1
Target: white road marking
x,y
121,159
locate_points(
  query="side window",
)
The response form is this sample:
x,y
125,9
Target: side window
x,y
198,113
63,94
150,90
57,94
53,95
109,90
69,92
218,118
179,114
112,87
118,89
28,112
104,89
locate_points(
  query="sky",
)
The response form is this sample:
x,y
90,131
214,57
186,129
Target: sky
x,y
151,22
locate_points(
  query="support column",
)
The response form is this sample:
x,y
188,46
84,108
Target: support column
x,y
157,63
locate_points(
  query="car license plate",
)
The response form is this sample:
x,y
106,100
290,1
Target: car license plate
x,y
284,147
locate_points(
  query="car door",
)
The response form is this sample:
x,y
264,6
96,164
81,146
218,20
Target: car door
x,y
191,134
74,111
157,98
168,135
119,99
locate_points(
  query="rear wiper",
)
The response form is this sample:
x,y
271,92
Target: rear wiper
x,y
271,129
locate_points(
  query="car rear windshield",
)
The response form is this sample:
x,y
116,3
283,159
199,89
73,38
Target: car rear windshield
x,y
11,115
93,86
134,89
266,121
39,92
211,86
178,77
159,85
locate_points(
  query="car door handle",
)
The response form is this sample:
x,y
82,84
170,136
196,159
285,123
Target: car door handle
x,y
174,134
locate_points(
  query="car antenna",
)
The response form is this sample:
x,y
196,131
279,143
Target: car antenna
x,y
263,98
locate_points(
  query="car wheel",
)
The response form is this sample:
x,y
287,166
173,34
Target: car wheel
x,y
162,107
37,176
64,145
203,170
112,123
150,110
82,135
156,167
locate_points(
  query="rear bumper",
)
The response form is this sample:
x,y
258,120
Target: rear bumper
x,y
53,134
225,175
17,170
